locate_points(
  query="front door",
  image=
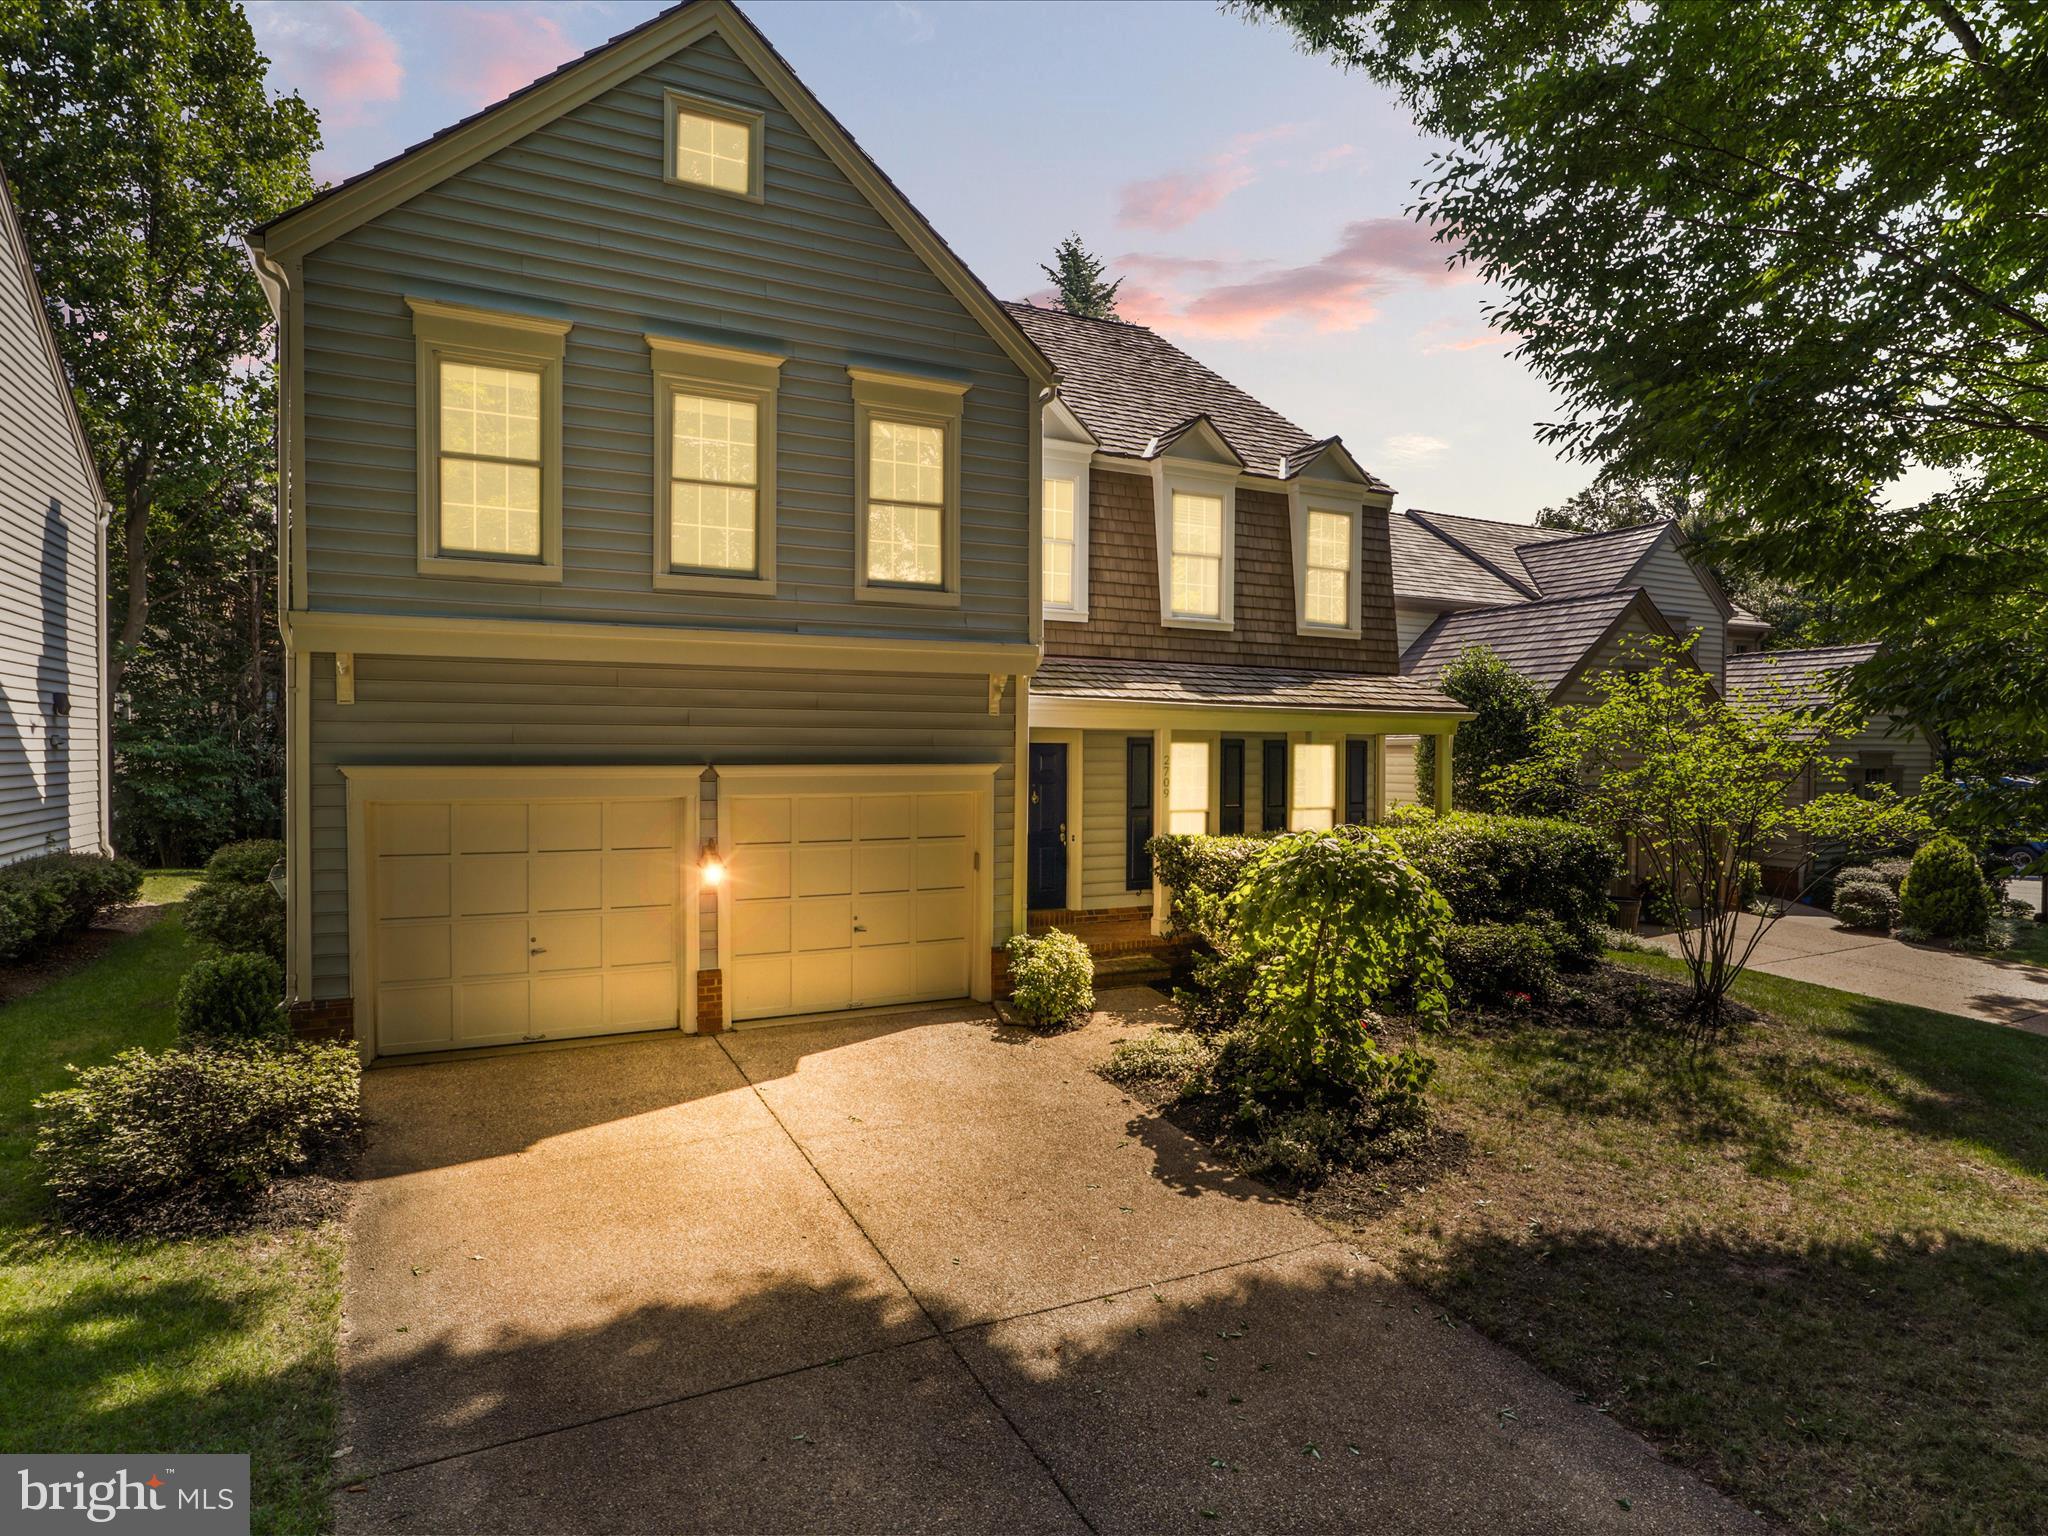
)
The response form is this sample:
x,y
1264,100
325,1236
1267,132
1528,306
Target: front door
x,y
1046,846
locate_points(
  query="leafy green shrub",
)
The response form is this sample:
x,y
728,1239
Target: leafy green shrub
x,y
1660,903
1893,872
1491,962
1506,731
1509,869
170,1138
1198,872
1356,1102
44,898
1866,904
243,919
244,863
1946,895
1166,1062
1052,978
232,997
1856,874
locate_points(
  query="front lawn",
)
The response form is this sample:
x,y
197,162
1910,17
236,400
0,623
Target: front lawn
x,y
214,1344
1812,1263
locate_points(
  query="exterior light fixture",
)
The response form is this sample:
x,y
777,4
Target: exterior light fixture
x,y
712,865
277,879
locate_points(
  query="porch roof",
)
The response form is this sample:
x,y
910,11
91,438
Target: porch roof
x,y
1264,688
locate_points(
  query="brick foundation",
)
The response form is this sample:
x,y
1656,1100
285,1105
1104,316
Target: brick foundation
x,y
710,1002
332,1018
999,973
1115,936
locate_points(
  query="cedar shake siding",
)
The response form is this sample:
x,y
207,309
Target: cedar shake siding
x,y
1123,591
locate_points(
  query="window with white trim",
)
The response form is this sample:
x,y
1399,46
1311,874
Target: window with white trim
x,y
1196,568
489,400
1326,592
907,475
1061,565
715,145
1187,787
714,441
1315,787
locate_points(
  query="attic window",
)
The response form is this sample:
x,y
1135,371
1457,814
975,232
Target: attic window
x,y
714,145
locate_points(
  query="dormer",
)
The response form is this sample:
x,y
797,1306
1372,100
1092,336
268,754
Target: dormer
x,y
1327,495
1067,448
1194,503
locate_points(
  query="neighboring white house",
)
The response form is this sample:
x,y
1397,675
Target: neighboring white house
x,y
53,717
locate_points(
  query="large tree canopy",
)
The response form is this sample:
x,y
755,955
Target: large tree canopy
x,y
1793,249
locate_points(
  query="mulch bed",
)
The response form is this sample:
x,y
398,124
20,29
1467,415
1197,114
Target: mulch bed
x,y
75,951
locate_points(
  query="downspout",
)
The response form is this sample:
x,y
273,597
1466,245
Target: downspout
x,y
104,511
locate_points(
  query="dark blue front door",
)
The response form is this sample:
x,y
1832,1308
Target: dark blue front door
x,y
1046,844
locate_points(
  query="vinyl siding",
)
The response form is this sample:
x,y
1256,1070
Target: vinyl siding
x,y
469,712
575,221
50,764
1681,596
1401,786
1580,689
1409,623
1102,821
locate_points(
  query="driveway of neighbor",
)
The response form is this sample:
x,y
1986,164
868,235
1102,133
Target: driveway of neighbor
x,y
1807,944
914,1272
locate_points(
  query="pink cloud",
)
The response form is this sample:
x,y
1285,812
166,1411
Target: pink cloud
x,y
1180,197
1337,292
504,48
341,60
1332,157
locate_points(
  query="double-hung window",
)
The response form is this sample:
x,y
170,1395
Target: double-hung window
x,y
1063,555
1195,517
1326,595
907,478
1061,567
1197,556
489,399
714,513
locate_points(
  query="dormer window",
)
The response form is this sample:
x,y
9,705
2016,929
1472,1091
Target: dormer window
x,y
715,145
1197,556
1194,491
1326,593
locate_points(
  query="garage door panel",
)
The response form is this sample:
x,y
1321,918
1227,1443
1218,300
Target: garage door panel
x,y
941,866
823,923
761,819
567,882
564,1004
641,824
886,817
413,829
941,969
826,871
567,827
881,867
640,879
884,975
759,874
944,815
415,1018
640,999
761,928
414,952
490,827
824,819
940,915
489,884
887,920
569,942
760,987
490,947
646,936
413,887
494,1011
820,982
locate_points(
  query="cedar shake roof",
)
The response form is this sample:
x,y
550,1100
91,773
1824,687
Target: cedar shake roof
x,y
1546,641
1135,390
1793,679
1589,562
1160,682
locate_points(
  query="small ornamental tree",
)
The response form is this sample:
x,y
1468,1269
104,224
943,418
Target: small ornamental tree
x,y
1078,278
1507,729
1702,787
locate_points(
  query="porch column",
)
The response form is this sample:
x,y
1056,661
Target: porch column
x,y
1162,820
1443,772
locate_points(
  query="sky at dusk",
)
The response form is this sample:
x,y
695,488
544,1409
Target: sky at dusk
x,y
1251,198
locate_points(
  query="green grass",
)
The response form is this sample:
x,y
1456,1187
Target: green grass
x,y
1811,1262
214,1344
167,885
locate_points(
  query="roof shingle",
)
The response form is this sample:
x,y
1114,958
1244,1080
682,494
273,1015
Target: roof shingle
x,y
1427,567
1793,679
1588,562
1545,641
1159,682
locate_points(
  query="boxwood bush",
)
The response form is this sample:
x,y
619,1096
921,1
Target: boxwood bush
x,y
234,907
161,1140
1946,895
1866,904
44,898
1491,962
232,997
1052,978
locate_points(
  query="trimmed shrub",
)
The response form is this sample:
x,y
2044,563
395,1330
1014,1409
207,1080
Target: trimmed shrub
x,y
44,898
1510,869
1853,874
170,1138
1199,872
1167,1062
245,863
1052,978
241,919
1946,895
1866,904
1356,1102
232,997
1490,962
1893,872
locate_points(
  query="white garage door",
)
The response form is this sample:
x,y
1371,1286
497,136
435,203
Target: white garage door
x,y
848,900
500,921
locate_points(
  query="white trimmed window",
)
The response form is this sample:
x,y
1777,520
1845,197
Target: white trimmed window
x,y
907,465
1197,556
490,442
1187,787
715,145
714,508
1314,805
1063,512
1061,529
1326,596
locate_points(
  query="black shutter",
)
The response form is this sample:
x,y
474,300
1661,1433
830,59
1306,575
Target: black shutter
x,y
1137,813
1230,816
1357,783
1273,788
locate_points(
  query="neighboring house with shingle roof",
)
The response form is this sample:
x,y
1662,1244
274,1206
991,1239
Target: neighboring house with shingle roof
x,y
1221,652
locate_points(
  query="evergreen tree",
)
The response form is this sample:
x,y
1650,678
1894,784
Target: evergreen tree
x,y
1078,277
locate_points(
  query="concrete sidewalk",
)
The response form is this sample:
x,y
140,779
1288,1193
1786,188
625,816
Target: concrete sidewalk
x,y
1807,944
899,1274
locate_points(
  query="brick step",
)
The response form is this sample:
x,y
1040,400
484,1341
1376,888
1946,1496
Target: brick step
x,y
1120,970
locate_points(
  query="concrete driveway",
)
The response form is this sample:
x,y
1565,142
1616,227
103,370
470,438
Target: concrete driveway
x,y
1807,944
907,1273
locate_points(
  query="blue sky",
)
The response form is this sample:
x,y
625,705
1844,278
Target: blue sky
x,y
1252,198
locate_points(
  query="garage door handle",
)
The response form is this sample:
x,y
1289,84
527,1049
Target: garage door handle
x,y
857,928
538,950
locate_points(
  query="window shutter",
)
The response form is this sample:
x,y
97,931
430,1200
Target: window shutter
x,y
1357,782
1230,817
1273,789
1137,813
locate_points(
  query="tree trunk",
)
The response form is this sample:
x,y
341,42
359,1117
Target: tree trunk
x,y
135,534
